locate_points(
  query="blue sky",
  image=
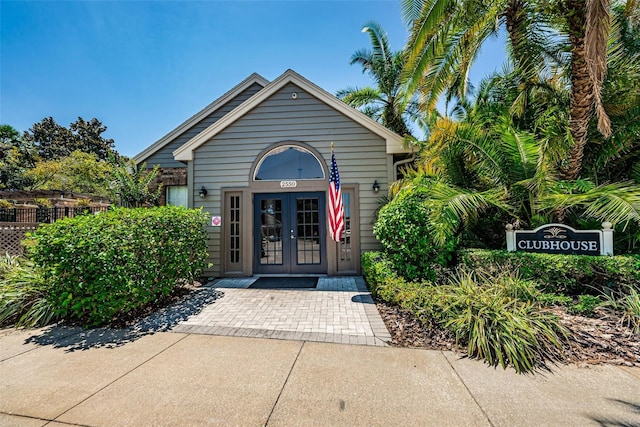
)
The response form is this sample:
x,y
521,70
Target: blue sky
x,y
143,67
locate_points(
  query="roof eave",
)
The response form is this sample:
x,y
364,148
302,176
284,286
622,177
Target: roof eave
x,y
394,142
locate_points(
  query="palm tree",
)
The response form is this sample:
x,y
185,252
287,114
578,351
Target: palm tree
x,y
134,183
446,35
487,160
386,102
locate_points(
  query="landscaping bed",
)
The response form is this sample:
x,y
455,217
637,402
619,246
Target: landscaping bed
x,y
596,340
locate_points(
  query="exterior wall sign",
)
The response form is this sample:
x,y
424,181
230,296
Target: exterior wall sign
x,y
216,221
288,184
561,239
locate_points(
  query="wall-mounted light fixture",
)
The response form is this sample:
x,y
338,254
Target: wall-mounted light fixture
x,y
203,192
376,186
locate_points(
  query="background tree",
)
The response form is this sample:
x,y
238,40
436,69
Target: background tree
x,y
386,102
90,138
54,141
77,173
131,183
16,157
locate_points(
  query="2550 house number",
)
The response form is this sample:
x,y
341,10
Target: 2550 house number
x,y
288,184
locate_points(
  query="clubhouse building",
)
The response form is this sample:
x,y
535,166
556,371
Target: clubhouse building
x,y
256,160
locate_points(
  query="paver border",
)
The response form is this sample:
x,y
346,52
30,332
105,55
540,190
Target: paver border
x,y
381,336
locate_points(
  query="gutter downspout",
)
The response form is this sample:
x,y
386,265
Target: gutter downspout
x,y
400,163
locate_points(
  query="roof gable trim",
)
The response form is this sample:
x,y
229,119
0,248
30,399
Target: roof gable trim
x,y
193,120
393,140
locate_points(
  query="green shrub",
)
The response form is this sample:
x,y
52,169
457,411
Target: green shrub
x,y
496,325
499,319
387,286
626,304
586,305
548,299
404,231
376,269
23,299
565,274
43,202
100,266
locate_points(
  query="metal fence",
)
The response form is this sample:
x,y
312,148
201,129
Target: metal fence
x,y
46,215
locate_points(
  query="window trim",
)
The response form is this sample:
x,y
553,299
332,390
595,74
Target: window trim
x,y
282,148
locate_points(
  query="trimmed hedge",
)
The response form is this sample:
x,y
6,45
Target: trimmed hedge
x,y
100,266
567,274
387,286
405,231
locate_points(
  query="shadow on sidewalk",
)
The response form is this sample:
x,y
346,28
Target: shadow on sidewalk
x,y
74,338
611,422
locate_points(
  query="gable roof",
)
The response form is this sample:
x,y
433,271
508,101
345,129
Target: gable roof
x,y
206,111
393,140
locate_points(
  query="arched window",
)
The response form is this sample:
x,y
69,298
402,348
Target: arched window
x,y
288,162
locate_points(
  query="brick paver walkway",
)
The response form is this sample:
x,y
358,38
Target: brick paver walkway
x,y
339,309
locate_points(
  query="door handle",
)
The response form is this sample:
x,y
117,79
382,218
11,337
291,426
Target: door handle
x,y
292,236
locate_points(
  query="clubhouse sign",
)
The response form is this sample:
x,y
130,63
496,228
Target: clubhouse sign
x,y
561,239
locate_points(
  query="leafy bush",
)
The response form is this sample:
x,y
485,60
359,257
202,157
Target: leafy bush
x,y
100,266
23,299
586,305
403,228
376,269
43,202
548,299
566,274
387,286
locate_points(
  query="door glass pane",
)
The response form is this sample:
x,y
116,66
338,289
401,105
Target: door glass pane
x,y
308,229
234,229
345,242
271,231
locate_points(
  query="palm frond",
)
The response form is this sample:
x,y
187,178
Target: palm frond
x,y
425,39
411,10
359,97
618,203
379,42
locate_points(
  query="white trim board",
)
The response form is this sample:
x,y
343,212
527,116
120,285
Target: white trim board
x,y
193,120
393,140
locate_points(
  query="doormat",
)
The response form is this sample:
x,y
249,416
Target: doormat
x,y
284,283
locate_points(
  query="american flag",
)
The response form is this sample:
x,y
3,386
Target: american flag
x,y
336,209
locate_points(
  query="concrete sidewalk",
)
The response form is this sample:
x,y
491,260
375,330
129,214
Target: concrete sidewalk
x,y
63,376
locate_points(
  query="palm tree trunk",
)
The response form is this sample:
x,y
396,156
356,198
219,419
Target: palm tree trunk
x,y
582,94
514,19
589,24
